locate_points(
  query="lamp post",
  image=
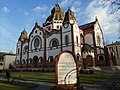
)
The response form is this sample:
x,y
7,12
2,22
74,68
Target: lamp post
x,y
21,55
44,62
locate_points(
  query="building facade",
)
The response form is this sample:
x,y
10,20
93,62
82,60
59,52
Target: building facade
x,y
114,54
6,59
39,49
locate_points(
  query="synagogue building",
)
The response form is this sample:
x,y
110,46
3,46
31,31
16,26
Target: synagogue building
x,y
61,31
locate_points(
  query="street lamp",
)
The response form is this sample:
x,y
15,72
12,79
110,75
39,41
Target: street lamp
x,y
21,55
44,61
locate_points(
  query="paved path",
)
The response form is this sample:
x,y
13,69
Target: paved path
x,y
107,84
37,86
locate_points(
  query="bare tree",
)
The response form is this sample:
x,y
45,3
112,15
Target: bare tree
x,y
114,5
119,30
114,8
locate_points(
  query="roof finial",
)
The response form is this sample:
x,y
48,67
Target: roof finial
x,y
36,22
57,3
96,18
24,29
68,7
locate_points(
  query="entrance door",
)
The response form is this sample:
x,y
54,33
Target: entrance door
x,y
89,61
35,61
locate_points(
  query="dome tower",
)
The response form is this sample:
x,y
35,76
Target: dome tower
x,y
54,21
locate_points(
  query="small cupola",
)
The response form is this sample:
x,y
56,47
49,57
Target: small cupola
x,y
69,16
23,35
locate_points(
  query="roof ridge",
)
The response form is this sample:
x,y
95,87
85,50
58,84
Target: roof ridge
x,y
87,23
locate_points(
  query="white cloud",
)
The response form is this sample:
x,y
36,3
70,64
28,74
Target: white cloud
x,y
26,13
65,3
70,3
8,35
40,8
41,11
5,10
107,22
95,8
75,6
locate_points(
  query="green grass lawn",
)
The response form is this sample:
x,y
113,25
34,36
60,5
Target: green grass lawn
x,y
35,76
50,77
92,78
5,85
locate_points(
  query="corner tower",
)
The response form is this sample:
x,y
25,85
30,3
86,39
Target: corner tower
x,y
71,34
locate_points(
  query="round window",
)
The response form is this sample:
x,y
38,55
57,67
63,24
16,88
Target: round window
x,y
36,42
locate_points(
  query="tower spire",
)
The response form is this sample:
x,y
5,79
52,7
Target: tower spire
x,y
96,18
68,7
57,3
24,29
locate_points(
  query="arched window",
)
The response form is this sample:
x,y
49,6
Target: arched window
x,y
77,40
101,57
56,57
36,43
60,17
78,56
98,40
36,31
66,40
18,51
40,59
17,62
25,49
56,17
30,60
54,43
57,26
1,64
23,61
51,59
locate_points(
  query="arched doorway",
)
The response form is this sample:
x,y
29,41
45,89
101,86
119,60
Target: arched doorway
x,y
89,60
35,61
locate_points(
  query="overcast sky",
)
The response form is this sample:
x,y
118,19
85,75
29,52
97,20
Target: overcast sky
x,y
15,15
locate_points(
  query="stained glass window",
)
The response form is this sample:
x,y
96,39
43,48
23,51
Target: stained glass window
x,y
66,40
36,43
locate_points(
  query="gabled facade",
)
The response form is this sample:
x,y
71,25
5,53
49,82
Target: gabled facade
x,y
93,47
39,49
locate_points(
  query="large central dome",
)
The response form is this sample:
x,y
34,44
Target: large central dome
x,y
56,14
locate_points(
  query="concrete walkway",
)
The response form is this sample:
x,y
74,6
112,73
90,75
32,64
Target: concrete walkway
x,y
107,84
37,86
